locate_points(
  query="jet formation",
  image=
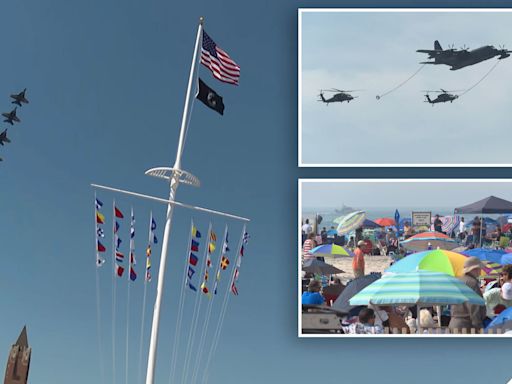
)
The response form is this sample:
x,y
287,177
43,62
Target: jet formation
x,y
11,117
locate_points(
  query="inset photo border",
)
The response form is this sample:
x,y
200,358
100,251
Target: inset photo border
x,y
421,232
404,87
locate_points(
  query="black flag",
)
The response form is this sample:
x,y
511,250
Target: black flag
x,y
210,98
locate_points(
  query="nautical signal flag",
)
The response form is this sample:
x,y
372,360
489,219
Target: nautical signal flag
x,y
191,286
100,232
224,262
119,270
119,256
211,247
218,61
118,213
100,219
204,289
133,275
213,236
194,246
195,232
190,272
153,224
118,242
101,247
209,97
193,259
148,250
234,290
116,227
99,261
99,204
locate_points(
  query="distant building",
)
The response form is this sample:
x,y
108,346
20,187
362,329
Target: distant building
x,y
18,363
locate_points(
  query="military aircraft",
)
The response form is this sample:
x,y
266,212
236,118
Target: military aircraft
x,y
442,98
460,58
3,138
339,96
10,117
20,98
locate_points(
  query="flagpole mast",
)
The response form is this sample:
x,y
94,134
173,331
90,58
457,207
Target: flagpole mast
x,y
174,182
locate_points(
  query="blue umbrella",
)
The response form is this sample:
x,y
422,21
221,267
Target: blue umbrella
x,y
494,255
332,232
503,321
370,224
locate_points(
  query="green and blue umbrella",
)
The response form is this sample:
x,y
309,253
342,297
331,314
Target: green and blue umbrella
x,y
331,250
417,288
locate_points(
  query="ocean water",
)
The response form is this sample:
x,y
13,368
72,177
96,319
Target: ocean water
x,y
372,213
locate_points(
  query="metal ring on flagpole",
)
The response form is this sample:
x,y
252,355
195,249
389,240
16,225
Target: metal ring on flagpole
x,y
166,173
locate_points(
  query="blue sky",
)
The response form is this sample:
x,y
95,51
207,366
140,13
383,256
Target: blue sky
x,y
376,51
106,84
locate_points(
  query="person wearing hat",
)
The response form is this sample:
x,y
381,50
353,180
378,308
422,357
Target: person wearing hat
x,y
313,295
465,317
358,260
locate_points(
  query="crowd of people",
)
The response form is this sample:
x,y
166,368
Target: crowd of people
x,y
461,318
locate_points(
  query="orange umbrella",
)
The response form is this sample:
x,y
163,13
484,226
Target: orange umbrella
x,y
385,221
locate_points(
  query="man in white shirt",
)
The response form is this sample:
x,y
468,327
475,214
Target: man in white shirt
x,y
307,228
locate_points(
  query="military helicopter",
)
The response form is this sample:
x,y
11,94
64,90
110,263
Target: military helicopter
x,y
19,98
460,58
444,97
10,117
339,96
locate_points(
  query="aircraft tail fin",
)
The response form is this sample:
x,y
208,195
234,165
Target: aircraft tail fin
x,y
437,46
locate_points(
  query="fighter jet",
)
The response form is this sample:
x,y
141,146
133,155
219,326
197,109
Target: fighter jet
x,y
3,138
20,98
10,117
460,58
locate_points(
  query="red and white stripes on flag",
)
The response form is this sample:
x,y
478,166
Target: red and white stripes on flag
x,y
243,241
218,61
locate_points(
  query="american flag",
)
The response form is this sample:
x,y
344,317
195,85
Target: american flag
x,y
218,61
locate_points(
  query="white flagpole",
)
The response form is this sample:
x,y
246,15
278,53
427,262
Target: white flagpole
x,y
174,182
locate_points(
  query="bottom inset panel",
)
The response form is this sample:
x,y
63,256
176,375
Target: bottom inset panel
x,y
407,258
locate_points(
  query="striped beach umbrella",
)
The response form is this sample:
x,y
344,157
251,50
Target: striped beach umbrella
x,y
351,222
420,241
417,288
330,250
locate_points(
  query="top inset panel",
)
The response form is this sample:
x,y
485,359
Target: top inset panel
x,y
404,87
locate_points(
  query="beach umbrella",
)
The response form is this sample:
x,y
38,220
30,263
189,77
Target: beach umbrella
x,y
331,250
342,302
438,260
351,222
320,268
491,204
449,223
368,224
332,232
385,221
420,241
498,256
503,321
421,288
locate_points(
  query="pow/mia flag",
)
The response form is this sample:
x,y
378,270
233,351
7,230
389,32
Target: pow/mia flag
x,y
210,98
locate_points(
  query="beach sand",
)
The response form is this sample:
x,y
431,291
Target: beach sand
x,y
372,264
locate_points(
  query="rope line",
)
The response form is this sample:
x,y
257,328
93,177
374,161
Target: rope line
x,y
378,97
